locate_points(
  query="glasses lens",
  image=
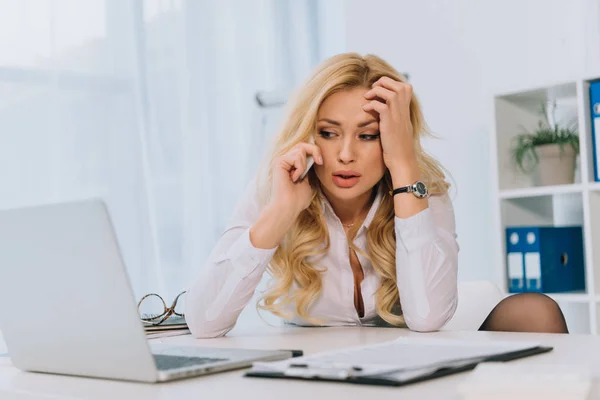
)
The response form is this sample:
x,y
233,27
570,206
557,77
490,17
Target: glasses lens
x,y
151,307
180,305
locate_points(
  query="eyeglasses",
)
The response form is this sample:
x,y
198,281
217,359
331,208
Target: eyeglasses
x,y
159,310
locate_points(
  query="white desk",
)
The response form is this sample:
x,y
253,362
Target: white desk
x,y
568,349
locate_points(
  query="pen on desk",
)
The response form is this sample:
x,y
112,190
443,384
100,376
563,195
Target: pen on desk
x,y
354,368
298,365
295,353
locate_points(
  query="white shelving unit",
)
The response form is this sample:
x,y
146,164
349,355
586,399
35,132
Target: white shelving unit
x,y
518,202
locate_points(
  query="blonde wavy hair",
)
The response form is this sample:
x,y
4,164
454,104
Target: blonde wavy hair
x,y
309,237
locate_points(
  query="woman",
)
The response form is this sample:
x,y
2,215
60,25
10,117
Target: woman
x,y
367,237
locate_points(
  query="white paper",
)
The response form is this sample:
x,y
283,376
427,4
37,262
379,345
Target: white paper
x,y
515,265
597,149
533,266
403,357
533,270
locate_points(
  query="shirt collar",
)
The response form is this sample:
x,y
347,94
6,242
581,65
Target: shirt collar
x,y
374,207
328,209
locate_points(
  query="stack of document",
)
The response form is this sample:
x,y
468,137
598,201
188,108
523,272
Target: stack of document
x,y
173,326
399,362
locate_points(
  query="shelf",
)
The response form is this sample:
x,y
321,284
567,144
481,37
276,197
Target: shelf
x,y
594,186
570,297
574,297
541,191
531,97
520,203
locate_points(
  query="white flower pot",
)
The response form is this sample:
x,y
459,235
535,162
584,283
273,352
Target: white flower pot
x,y
556,166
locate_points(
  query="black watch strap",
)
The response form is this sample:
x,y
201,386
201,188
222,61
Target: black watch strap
x,y
405,189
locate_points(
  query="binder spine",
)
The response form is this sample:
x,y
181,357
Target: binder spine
x,y
514,261
594,93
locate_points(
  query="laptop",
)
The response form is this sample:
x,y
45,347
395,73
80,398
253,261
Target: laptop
x,y
67,307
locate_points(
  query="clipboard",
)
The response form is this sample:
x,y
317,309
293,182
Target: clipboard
x,y
358,374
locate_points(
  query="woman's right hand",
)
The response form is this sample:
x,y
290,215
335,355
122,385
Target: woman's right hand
x,y
287,190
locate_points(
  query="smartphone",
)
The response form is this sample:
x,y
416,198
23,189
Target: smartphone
x,y
309,163
309,160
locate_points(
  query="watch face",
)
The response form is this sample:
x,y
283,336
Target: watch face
x,y
421,189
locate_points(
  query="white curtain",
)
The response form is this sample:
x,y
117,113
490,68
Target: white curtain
x,y
150,105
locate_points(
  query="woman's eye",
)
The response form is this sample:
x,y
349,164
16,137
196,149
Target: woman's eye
x,y
369,137
326,134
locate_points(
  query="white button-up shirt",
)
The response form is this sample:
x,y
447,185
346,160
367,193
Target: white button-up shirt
x,y
426,270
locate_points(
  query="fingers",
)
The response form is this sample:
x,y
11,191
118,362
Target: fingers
x,y
393,85
382,93
311,154
313,150
295,162
389,91
377,106
300,167
299,159
309,163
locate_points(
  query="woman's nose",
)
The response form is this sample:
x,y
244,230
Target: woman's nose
x,y
346,153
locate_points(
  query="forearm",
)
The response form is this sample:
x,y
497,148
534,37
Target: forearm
x,y
427,266
427,283
272,225
226,284
405,204
234,270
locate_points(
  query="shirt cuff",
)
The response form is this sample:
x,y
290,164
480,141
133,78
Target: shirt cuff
x,y
245,257
414,232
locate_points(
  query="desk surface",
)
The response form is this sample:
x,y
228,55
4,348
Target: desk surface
x,y
568,349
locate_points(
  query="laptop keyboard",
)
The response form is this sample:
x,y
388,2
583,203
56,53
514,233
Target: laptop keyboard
x,y
167,362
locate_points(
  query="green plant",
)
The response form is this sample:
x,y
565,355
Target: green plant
x,y
523,151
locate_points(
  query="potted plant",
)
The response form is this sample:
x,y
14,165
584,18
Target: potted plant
x,y
549,151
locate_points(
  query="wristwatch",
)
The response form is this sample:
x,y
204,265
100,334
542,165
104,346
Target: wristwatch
x,y
418,189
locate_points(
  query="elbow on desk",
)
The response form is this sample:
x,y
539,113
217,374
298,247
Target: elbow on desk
x,y
206,330
202,327
424,326
433,322
202,323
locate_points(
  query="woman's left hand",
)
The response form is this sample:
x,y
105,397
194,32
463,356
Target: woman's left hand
x,y
391,100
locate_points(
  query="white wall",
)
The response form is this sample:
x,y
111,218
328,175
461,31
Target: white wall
x,y
458,54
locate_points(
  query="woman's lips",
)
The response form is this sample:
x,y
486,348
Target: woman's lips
x,y
345,182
